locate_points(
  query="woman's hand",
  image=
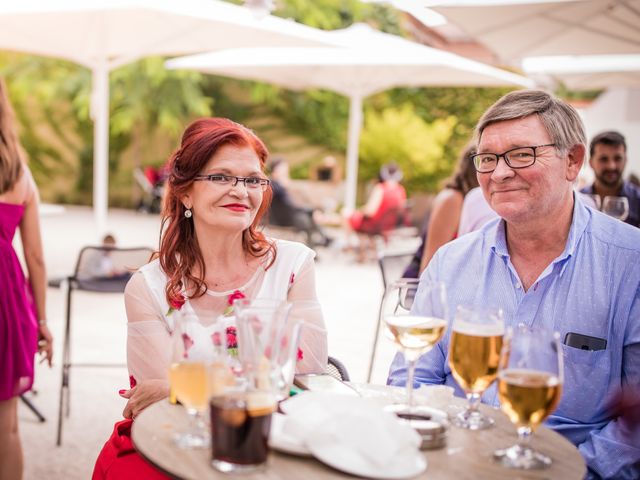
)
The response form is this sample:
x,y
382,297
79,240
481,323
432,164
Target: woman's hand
x,y
142,395
45,344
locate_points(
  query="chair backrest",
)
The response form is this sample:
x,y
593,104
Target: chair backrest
x,y
336,369
392,266
108,269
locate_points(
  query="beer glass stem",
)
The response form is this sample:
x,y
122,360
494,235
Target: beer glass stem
x,y
411,368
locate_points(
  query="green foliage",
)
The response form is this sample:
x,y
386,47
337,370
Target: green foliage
x,y
52,102
466,104
399,135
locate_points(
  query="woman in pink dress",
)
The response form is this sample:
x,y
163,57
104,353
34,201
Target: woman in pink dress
x,y
22,304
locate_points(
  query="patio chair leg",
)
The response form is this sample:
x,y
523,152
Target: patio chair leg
x,y
375,343
60,408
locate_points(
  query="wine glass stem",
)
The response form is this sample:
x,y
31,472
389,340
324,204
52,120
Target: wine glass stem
x,y
411,369
196,421
473,402
524,437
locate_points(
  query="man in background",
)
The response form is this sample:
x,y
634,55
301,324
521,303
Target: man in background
x,y
607,158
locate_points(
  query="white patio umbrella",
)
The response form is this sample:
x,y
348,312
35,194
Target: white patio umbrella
x,y
369,61
105,34
587,72
515,29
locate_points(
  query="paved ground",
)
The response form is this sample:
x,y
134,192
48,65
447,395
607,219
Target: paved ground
x,y
349,293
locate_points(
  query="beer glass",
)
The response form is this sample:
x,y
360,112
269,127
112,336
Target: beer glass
x,y
530,380
414,334
474,356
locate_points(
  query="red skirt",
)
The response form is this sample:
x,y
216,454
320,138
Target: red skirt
x,y
118,459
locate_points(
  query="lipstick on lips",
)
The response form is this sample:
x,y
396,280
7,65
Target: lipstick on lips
x,y
236,207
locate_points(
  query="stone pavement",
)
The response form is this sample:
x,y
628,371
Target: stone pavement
x,y
349,293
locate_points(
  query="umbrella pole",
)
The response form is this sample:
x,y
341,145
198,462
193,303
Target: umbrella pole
x,y
355,125
100,115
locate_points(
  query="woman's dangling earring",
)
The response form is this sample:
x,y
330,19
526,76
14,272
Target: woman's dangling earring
x,y
187,213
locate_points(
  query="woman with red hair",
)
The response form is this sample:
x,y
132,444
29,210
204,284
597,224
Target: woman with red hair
x,y
211,252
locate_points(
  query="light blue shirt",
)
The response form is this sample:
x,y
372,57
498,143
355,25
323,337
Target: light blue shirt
x,y
592,288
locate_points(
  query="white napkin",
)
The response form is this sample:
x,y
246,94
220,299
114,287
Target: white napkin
x,y
356,424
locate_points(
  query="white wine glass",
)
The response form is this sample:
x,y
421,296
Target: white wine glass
x,y
530,381
474,357
616,207
414,334
189,375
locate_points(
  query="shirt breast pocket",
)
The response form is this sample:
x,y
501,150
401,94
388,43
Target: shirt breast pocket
x,y
586,383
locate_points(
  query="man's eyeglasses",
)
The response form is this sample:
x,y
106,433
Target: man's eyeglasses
x,y
251,183
520,157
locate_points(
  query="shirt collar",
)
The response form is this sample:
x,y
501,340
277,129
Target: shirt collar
x,y
498,239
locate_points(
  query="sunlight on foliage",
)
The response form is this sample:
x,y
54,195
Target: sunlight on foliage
x,y
401,136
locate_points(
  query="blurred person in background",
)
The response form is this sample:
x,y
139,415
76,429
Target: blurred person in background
x,y
384,209
444,218
285,212
23,317
608,158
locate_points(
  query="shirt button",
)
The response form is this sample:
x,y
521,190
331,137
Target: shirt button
x,y
518,286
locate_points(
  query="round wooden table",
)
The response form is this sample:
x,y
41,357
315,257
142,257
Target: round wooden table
x,y
467,455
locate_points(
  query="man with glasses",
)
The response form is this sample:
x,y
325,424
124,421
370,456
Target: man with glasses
x,y
548,262
607,158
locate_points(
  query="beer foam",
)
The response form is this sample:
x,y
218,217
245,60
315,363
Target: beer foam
x,y
478,329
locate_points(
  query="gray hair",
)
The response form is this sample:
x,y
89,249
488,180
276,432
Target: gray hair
x,y
560,119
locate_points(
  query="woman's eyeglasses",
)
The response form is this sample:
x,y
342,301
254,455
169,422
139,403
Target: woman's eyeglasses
x,y
250,183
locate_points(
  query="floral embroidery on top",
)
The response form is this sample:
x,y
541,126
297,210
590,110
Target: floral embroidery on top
x,y
236,295
231,340
176,304
188,343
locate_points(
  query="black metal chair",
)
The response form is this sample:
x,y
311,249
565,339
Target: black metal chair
x,y
391,268
336,369
99,269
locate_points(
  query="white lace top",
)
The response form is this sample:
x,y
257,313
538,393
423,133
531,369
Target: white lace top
x,y
291,277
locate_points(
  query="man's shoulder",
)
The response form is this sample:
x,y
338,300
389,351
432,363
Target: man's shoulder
x,y
631,190
614,233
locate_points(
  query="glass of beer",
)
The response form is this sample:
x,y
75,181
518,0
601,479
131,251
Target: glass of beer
x,y
529,386
474,356
240,425
414,331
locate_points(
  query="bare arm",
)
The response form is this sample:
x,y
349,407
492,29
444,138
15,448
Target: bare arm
x,y
375,199
34,258
443,223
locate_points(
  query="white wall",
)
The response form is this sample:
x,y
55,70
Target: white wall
x,y
617,109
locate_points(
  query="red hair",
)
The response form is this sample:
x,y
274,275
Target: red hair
x,y
179,249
